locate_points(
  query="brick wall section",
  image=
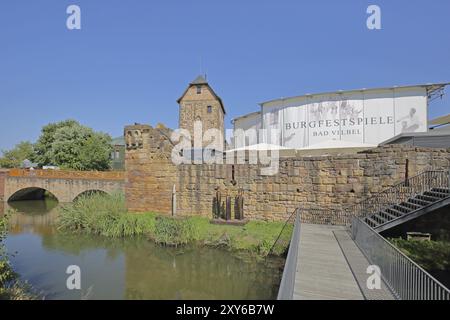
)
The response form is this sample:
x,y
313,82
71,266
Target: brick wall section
x,y
324,181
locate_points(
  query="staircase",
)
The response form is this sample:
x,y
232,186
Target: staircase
x,y
412,208
407,200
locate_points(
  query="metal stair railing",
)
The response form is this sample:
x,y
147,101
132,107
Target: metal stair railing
x,y
406,279
396,194
403,191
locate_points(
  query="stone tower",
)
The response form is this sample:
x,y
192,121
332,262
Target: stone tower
x,y
200,102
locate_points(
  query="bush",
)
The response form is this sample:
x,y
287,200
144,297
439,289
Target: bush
x,y
431,255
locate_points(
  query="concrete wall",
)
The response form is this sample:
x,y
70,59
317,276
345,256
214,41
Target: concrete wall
x,y
320,181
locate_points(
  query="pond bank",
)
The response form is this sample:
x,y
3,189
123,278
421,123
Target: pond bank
x,y
129,267
106,215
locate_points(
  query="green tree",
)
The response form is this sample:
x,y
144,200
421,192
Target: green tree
x,y
43,146
13,158
72,146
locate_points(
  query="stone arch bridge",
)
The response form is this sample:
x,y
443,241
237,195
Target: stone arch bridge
x,y
64,185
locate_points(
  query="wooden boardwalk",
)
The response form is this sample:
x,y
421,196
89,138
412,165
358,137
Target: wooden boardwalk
x,y
324,270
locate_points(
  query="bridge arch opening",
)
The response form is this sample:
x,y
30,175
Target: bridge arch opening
x,y
31,193
89,193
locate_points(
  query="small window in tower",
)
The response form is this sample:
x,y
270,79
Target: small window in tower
x,y
209,109
199,89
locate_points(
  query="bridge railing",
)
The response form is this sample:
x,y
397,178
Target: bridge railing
x,y
66,174
406,279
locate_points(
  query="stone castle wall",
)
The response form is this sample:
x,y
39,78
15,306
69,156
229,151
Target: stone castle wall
x,y
149,169
320,181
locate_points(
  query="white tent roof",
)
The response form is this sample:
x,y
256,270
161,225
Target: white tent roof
x,y
260,146
335,144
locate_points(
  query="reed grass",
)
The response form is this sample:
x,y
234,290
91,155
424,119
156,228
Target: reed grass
x,y
106,215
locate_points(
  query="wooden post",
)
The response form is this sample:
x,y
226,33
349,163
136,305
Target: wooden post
x,y
239,206
174,201
218,205
237,213
228,208
406,172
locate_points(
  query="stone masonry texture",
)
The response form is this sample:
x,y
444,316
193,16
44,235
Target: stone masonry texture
x,y
331,181
194,107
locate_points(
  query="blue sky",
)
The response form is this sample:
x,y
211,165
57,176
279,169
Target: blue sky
x,y
132,59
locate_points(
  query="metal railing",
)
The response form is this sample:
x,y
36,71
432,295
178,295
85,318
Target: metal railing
x,y
394,195
284,237
406,279
287,284
402,191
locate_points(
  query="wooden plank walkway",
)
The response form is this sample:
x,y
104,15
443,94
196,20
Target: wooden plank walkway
x,y
322,270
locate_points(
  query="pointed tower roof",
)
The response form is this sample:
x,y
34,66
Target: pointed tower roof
x,y
200,80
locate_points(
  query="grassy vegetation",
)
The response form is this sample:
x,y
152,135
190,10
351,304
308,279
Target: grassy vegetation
x,y
11,288
107,216
431,255
103,215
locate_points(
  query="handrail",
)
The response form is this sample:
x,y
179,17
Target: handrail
x,y
288,220
399,192
406,279
402,191
287,284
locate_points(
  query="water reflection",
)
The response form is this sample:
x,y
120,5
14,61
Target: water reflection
x,y
128,268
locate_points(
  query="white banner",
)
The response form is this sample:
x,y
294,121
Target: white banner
x,y
369,117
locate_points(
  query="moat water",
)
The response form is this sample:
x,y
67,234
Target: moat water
x,y
133,268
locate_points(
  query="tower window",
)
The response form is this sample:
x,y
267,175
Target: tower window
x,y
199,89
209,108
